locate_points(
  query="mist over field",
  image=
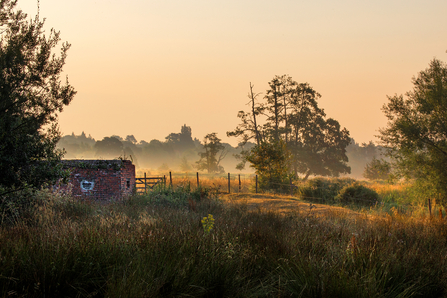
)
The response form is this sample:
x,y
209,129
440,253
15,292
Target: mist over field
x,y
179,152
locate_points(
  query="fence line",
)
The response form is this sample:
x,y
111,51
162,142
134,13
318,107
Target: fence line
x,y
243,186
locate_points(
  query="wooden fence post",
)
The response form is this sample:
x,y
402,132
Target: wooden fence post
x,y
170,179
145,184
256,183
239,183
198,184
229,183
164,180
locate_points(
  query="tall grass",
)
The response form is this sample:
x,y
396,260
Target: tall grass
x,y
156,246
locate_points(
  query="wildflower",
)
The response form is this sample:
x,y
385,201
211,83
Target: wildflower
x,y
208,223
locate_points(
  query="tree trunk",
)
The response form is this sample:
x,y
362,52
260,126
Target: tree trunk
x,y
257,134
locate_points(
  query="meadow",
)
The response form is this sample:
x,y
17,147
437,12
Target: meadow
x,y
188,242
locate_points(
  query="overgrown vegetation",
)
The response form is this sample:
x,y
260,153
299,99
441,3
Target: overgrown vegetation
x,y
183,242
358,194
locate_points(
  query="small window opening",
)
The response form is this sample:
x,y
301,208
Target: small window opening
x,y
128,183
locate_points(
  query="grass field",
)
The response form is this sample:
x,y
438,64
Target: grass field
x,y
166,244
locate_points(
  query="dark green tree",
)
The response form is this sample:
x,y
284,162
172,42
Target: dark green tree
x,y
322,150
291,114
31,95
318,145
214,153
271,160
416,133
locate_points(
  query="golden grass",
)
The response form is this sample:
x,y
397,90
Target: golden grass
x,y
284,204
218,182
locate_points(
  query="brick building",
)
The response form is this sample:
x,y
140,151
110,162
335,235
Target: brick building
x,y
102,180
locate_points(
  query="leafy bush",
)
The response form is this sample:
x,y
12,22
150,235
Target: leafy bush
x,y
323,189
15,205
358,194
271,161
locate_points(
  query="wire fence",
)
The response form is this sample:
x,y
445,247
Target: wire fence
x,y
228,183
248,183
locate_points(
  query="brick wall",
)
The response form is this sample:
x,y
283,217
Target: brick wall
x,y
102,180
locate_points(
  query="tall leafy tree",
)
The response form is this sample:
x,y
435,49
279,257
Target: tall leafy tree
x,y
317,144
278,98
214,152
322,150
416,133
31,95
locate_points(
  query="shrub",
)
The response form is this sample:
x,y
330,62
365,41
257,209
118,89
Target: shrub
x,y
358,194
323,189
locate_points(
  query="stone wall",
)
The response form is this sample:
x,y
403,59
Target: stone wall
x,y
100,179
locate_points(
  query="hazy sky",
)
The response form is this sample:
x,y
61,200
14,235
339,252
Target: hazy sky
x,y
146,67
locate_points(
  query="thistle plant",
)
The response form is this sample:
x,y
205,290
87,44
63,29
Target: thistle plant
x,y
208,223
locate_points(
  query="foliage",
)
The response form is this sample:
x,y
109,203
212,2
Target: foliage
x,y
358,194
416,131
290,113
322,190
213,155
377,169
207,223
271,161
31,95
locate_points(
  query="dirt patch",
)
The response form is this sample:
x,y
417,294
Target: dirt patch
x,y
283,204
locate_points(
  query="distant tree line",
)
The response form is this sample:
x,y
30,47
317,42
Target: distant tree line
x,y
181,152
